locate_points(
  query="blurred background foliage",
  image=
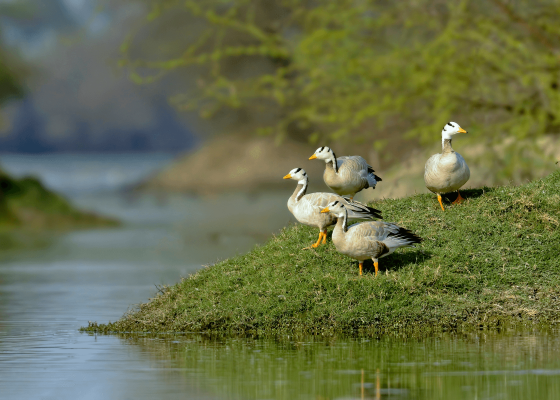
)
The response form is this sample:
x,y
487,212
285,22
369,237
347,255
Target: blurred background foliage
x,y
12,71
363,72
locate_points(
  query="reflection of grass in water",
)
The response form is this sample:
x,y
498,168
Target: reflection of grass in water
x,y
490,260
447,366
26,204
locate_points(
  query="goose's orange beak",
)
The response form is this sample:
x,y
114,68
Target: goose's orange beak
x,y
289,176
324,210
313,157
461,130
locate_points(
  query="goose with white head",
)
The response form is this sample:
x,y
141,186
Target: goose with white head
x,y
307,207
364,240
346,175
448,171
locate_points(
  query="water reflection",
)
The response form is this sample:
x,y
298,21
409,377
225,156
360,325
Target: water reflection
x,y
481,366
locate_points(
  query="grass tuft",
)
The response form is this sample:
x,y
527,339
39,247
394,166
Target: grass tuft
x,y
492,261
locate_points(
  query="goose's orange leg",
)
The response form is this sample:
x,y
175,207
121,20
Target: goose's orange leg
x,y
324,236
315,245
440,203
459,199
361,265
376,265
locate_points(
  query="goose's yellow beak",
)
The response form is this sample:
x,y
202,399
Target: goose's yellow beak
x,y
326,209
289,176
313,157
461,130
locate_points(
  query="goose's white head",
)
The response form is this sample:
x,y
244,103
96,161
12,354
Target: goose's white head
x,y
450,129
335,208
297,174
323,153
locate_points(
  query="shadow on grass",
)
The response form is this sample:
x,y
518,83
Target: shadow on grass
x,y
467,194
396,261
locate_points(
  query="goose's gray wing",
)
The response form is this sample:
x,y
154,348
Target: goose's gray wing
x,y
392,235
356,170
365,240
308,210
357,210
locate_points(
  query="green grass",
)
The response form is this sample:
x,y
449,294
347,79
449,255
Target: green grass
x,y
491,261
27,206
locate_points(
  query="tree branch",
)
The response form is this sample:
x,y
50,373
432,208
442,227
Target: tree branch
x,y
534,32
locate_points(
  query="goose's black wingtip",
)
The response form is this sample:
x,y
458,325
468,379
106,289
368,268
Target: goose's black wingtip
x,y
413,237
375,212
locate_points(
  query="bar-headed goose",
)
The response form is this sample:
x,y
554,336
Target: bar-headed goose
x,y
448,171
307,207
346,175
371,239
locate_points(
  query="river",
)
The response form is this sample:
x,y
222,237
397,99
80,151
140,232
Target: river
x,y
47,293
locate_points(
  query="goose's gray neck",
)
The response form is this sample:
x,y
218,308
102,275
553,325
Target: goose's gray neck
x,y
342,222
301,189
446,146
332,164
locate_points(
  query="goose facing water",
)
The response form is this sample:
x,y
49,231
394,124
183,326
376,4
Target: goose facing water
x,y
306,208
371,239
346,175
448,171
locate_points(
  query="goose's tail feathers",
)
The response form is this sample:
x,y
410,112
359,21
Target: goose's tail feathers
x,y
401,237
372,180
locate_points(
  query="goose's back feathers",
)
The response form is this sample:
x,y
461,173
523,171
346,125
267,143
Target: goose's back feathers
x,y
308,209
354,174
373,239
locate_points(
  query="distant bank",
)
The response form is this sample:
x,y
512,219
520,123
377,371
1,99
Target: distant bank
x,y
232,164
27,206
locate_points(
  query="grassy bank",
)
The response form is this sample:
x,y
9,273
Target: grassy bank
x,y
27,206
492,260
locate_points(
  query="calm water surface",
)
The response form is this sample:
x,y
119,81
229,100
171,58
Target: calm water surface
x,y
47,293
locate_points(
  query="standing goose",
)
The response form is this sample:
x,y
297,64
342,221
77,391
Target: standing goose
x,y
371,239
307,207
448,171
346,175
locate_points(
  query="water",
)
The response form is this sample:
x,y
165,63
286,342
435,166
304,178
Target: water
x,y
47,293
477,366
74,174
